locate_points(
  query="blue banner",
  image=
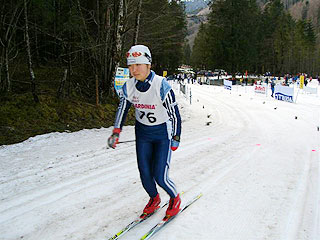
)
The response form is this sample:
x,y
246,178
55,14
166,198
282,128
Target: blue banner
x,y
284,93
227,84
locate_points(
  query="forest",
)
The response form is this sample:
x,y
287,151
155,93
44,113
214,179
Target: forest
x,y
239,36
58,57
84,39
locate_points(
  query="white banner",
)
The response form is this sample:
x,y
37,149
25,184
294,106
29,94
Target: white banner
x,y
310,90
283,93
227,84
260,89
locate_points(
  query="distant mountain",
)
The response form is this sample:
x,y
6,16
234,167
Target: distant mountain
x,y
194,6
300,9
194,21
307,9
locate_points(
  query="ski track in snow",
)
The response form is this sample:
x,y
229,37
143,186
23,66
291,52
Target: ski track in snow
x,y
254,164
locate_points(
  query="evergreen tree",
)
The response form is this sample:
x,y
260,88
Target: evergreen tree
x,y
200,57
282,43
232,31
186,53
163,29
271,20
305,46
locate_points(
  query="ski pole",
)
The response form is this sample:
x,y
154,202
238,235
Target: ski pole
x,y
126,141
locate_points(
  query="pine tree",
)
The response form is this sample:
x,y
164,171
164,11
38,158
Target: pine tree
x,y
200,57
163,29
232,32
271,20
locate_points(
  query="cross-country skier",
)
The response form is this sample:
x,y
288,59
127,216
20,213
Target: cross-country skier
x,y
157,127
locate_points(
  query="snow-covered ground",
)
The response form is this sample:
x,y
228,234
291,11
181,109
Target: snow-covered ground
x,y
255,159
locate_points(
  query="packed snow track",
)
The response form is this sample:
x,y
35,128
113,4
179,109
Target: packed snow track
x,y
255,159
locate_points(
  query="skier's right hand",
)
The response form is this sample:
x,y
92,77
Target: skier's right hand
x,y
113,140
175,143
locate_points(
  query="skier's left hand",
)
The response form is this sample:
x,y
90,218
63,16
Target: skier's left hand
x,y
113,140
175,143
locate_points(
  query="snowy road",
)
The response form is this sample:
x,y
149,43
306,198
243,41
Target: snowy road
x,y
256,163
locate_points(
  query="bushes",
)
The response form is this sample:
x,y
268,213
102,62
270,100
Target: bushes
x,y
21,118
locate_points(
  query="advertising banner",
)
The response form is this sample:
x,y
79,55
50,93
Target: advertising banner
x,y
122,75
260,89
227,84
283,93
310,90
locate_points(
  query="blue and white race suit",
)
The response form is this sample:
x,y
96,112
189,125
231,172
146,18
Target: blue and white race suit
x,y
157,121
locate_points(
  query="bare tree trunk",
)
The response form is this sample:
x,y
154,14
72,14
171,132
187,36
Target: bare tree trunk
x,y
98,20
97,90
2,82
33,79
7,85
137,25
62,83
119,32
9,29
69,68
83,21
104,38
37,47
109,53
69,49
1,67
90,39
100,69
105,85
55,22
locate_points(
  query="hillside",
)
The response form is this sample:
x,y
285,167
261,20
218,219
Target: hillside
x,y
299,9
194,6
194,21
306,9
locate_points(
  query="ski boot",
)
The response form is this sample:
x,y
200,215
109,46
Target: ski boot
x,y
151,207
174,207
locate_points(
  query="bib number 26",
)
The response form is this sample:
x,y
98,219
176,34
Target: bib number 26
x,y
149,116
